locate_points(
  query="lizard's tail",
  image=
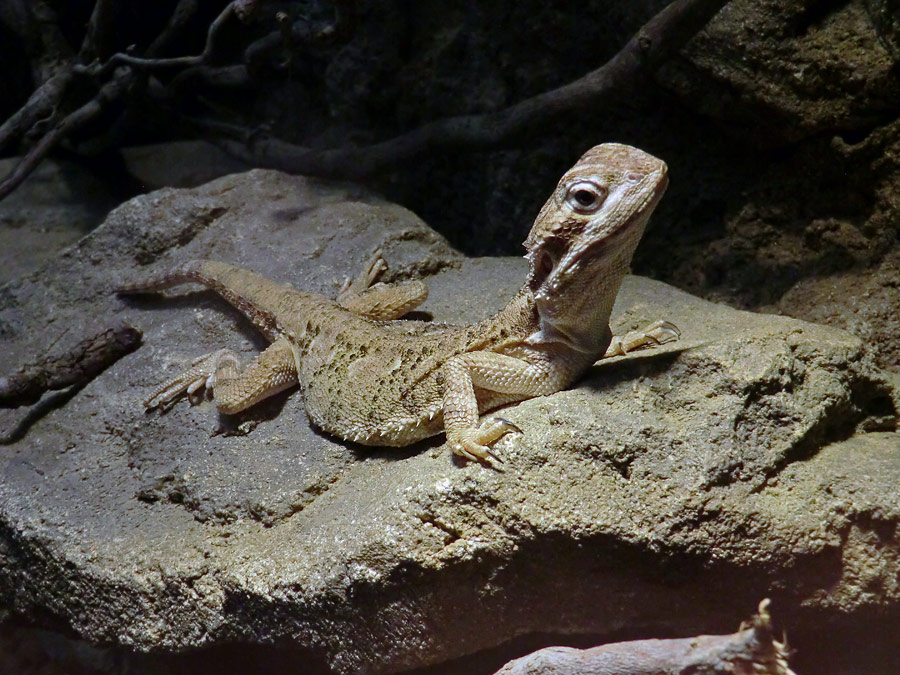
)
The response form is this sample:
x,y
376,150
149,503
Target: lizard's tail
x,y
191,271
250,293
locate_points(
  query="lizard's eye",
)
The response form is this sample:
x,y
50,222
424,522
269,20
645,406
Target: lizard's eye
x,y
585,196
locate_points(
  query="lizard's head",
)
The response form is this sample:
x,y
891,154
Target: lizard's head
x,y
584,237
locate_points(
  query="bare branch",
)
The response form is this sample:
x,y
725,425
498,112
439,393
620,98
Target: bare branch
x,y
40,105
299,32
658,39
55,51
750,650
97,41
665,33
76,366
53,65
223,77
43,103
148,63
184,12
109,92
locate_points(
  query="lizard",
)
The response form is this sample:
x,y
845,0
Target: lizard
x,y
370,379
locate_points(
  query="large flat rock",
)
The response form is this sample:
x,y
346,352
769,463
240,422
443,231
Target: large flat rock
x,y
664,495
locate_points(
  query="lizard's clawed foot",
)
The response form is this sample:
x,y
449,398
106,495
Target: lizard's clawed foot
x,y
474,443
658,333
202,373
370,274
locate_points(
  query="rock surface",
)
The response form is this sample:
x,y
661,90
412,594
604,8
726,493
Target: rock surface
x,y
782,70
664,495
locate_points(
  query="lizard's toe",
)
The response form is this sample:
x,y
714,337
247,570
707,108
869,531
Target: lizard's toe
x,y
474,451
174,388
658,333
507,425
463,450
200,375
663,331
475,443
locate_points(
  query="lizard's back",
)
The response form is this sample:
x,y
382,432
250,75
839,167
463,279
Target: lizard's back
x,y
373,382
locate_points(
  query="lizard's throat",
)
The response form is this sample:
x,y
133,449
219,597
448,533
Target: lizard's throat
x,y
583,333
574,340
578,320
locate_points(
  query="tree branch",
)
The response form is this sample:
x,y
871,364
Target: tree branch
x,y
657,40
665,33
76,366
41,104
44,101
109,92
750,650
52,66
148,63
100,31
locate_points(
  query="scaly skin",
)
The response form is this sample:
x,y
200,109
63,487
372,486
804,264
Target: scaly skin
x,y
375,381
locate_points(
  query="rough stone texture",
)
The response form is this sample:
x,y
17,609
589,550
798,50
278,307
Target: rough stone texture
x,y
795,181
664,495
827,208
863,302
782,71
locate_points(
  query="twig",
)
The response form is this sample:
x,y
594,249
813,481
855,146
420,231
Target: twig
x,y
183,13
109,92
40,105
750,650
45,99
100,30
346,16
147,63
42,35
222,77
77,366
660,37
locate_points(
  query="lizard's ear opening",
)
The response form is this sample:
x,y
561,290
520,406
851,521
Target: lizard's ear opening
x,y
541,267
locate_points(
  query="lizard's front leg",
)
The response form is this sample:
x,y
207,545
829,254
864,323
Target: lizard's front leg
x,y
658,333
495,372
273,371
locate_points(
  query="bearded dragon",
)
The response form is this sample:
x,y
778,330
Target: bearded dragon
x,y
369,379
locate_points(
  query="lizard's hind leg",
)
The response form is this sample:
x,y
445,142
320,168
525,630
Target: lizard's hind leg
x,y
273,371
368,297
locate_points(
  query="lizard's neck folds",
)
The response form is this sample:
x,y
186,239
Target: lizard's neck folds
x,y
575,315
548,333
586,329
